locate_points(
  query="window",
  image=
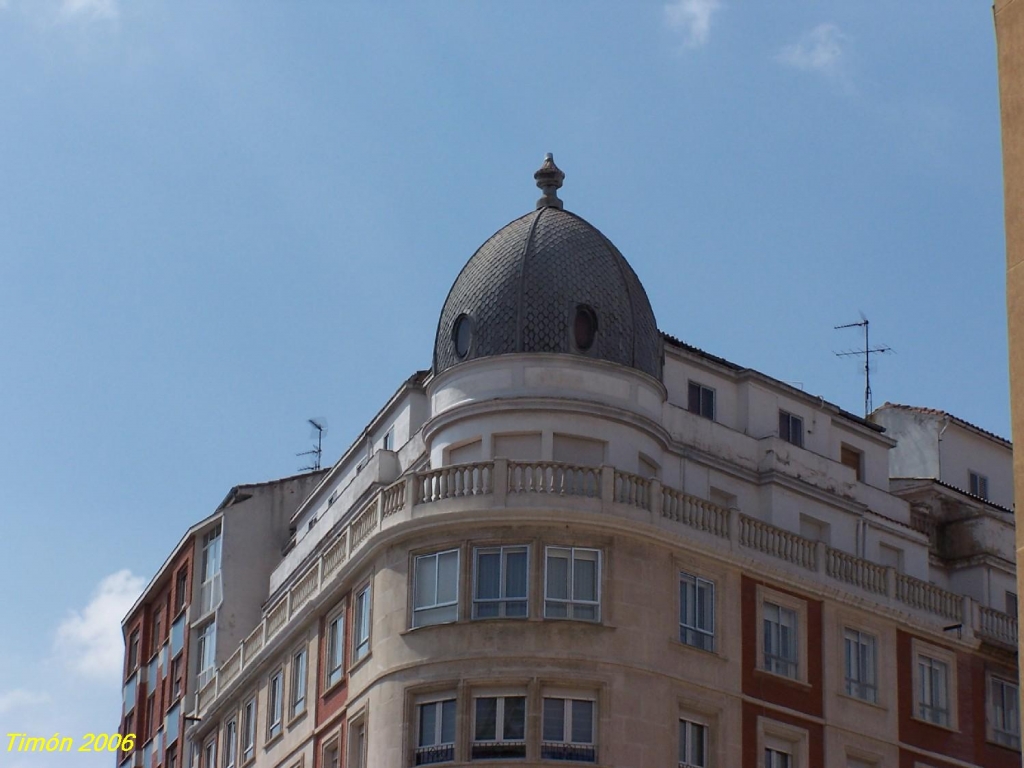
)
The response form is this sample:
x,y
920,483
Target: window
x,y
499,582
157,638
230,743
387,442
499,727
133,651
462,334
332,756
701,400
206,664
172,757
777,758
978,485
210,588
176,679
853,459
361,631
180,585
584,327
177,635
791,429
356,744
1011,603
436,588
274,704
932,690
572,584
859,660
299,673
568,730
696,612
693,744
249,730
1004,712
780,640
335,649
210,754
435,742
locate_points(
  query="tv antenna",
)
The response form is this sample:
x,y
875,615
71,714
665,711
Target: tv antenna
x,y
868,351
319,427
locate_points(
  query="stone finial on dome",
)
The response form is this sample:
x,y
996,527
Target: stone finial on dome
x,y
549,179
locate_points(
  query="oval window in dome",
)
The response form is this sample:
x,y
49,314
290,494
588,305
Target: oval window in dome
x,y
462,334
584,327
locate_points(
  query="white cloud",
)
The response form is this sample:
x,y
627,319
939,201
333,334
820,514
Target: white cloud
x,y
90,641
88,9
820,50
15,700
691,18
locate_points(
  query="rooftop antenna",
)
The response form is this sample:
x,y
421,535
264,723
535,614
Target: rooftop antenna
x,y
319,426
867,352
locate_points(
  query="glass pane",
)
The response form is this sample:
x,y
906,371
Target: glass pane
x,y
515,718
448,721
585,612
582,722
554,720
556,610
515,576
558,575
584,583
428,724
686,602
426,581
488,575
699,740
486,719
447,577
515,609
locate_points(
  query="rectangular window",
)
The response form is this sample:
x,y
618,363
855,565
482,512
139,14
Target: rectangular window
x,y
696,612
299,674
701,400
133,651
1010,600
436,739
572,584
693,744
332,756
978,485
157,639
356,744
776,758
853,459
568,730
780,640
436,588
206,664
335,649
500,582
791,429
172,757
275,706
933,690
1005,712
859,659
230,743
499,727
180,585
210,754
361,631
249,730
388,441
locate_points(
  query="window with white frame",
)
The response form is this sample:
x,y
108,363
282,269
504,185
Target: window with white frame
x,y
693,744
568,729
696,611
701,400
361,631
300,662
206,653
275,704
209,754
781,629
978,484
932,690
500,582
230,743
249,730
777,758
860,670
335,667
435,736
436,588
791,428
499,727
332,755
572,584
210,592
1004,712
781,745
356,743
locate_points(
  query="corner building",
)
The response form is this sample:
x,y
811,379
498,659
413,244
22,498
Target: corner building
x,y
578,540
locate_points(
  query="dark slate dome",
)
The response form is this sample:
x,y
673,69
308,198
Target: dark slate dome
x,y
548,282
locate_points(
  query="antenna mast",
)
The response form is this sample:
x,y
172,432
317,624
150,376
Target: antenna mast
x,y
318,451
867,352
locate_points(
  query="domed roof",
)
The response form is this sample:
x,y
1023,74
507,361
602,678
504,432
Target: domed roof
x,y
548,282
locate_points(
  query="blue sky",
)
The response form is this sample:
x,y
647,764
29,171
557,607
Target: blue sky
x,y
220,219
